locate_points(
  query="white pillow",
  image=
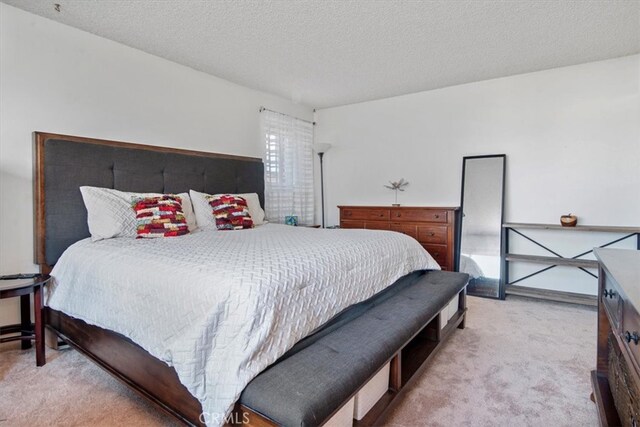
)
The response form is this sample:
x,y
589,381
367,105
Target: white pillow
x,y
110,214
204,212
255,210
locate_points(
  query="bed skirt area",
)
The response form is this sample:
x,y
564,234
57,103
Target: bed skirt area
x,y
158,382
128,362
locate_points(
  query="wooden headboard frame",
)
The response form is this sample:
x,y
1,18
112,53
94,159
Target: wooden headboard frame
x,y
40,138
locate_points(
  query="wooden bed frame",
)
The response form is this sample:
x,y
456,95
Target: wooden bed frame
x,y
118,355
154,379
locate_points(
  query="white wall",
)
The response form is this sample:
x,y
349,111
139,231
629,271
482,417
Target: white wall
x,y
571,135
55,78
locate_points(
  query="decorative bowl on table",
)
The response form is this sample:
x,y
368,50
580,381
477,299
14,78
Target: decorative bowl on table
x,y
569,220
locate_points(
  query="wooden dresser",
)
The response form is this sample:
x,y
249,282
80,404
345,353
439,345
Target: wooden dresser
x,y
433,227
616,380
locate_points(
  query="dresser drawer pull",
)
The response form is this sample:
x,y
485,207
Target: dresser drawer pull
x,y
437,216
628,337
432,234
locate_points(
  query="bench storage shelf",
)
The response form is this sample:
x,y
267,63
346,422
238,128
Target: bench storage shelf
x,y
399,333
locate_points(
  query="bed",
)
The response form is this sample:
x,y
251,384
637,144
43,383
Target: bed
x,y
363,264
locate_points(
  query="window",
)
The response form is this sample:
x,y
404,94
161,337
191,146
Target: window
x,y
288,167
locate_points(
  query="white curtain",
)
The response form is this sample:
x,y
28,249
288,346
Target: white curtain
x,y
288,167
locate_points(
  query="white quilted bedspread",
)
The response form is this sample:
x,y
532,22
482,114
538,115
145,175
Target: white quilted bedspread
x,y
221,306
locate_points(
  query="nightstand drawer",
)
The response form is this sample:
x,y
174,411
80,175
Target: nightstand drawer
x,y
432,235
370,214
630,331
612,302
438,252
422,215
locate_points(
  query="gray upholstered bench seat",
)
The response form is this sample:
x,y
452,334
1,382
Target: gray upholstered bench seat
x,y
306,387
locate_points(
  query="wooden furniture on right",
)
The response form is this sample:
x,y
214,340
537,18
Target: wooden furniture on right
x,y
510,288
616,379
432,227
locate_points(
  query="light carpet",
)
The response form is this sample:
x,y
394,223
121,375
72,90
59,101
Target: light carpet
x,y
518,362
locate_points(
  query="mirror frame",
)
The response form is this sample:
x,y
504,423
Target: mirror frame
x,y
501,284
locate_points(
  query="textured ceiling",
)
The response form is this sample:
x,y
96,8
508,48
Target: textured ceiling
x,y
328,53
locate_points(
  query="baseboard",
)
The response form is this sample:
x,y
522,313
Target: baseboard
x,y
551,295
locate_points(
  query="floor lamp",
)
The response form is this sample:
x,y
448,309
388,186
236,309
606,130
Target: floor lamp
x,y
321,149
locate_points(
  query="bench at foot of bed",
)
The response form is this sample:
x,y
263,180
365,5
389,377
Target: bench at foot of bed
x,y
353,374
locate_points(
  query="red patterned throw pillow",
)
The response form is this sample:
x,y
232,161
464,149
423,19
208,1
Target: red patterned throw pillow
x,y
160,216
231,212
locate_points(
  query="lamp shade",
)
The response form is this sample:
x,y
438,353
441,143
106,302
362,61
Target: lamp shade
x,y
321,147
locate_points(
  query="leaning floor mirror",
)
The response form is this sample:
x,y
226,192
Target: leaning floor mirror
x,y
480,234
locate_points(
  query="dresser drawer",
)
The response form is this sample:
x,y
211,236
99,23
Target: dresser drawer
x,y
438,252
429,234
351,224
377,225
426,215
432,226
626,394
408,229
368,213
612,302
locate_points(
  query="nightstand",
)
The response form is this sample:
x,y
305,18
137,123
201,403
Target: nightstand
x,y
18,286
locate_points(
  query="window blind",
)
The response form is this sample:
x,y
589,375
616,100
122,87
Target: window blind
x,y
288,167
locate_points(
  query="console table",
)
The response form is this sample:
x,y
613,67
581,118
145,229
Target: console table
x,y
510,287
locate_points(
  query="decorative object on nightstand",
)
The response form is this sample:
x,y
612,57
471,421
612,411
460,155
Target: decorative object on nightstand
x,y
321,148
291,220
569,220
397,186
23,285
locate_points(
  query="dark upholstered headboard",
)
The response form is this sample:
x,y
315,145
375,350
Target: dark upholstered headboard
x,y
64,163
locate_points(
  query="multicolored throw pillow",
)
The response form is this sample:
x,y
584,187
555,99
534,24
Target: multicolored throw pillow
x,y
231,212
160,216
